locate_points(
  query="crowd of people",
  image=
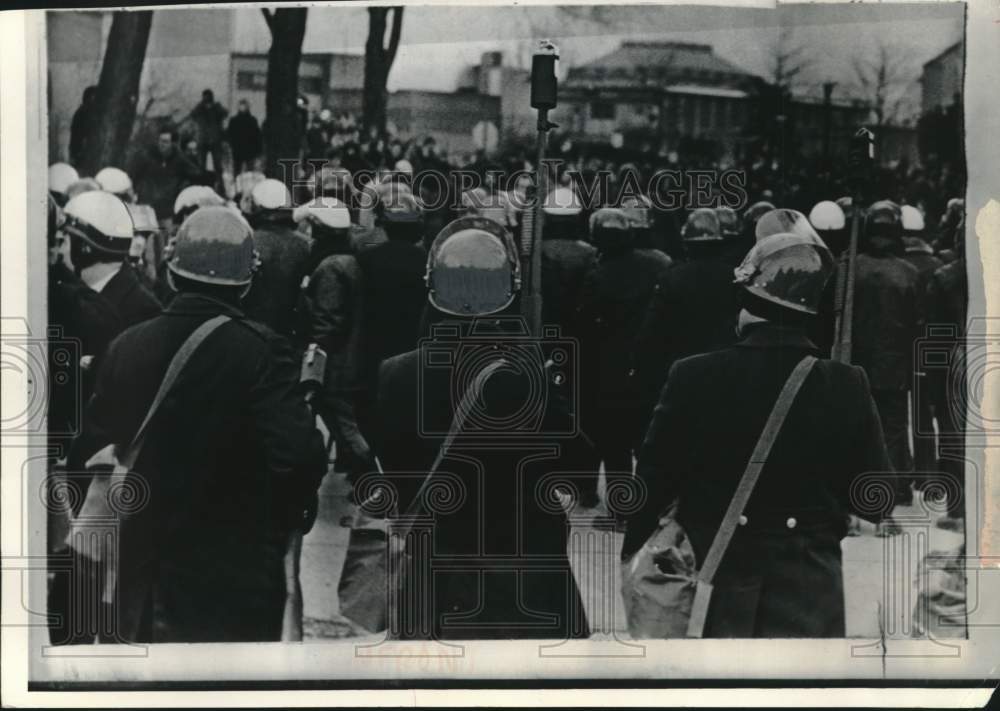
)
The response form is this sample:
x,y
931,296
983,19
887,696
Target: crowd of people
x,y
214,329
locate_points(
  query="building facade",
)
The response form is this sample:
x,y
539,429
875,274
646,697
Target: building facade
x,y
942,77
668,95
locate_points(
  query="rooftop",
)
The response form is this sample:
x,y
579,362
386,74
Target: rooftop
x,y
635,57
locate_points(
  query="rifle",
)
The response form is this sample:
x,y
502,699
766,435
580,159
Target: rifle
x,y
861,159
311,379
543,98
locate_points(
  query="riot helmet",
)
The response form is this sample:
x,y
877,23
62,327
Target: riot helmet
x,y
787,271
214,246
472,268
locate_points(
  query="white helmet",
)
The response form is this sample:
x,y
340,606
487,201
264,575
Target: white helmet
x,y
270,194
562,201
827,215
61,176
404,166
324,211
913,219
100,219
194,196
114,180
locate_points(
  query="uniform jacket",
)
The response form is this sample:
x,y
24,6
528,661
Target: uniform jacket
x,y
132,299
395,295
335,297
693,310
615,296
775,580
497,512
565,263
87,322
284,255
229,462
887,319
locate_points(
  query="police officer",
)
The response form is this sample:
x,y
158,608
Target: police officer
x,y
782,573
61,176
101,234
829,221
948,303
639,210
116,182
732,233
394,289
614,298
887,322
693,308
492,506
750,217
566,258
230,463
333,310
284,254
83,317
921,256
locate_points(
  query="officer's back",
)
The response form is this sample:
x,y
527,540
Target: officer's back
x,y
693,308
230,460
489,500
284,256
782,574
566,258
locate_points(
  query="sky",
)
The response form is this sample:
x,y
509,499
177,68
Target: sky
x,y
438,42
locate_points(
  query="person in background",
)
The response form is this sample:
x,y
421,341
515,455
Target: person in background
x,y
245,138
208,116
82,127
159,173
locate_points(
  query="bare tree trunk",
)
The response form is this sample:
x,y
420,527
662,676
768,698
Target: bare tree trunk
x,y
117,91
378,62
283,129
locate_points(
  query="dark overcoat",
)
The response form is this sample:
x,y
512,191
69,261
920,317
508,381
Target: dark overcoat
x,y
284,256
693,310
782,575
133,300
230,461
395,295
498,561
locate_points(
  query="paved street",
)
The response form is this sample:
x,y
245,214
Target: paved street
x,y
878,571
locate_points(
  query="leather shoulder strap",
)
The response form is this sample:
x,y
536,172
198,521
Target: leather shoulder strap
x,y
752,472
465,405
177,364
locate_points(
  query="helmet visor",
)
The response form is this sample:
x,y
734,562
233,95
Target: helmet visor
x,y
472,270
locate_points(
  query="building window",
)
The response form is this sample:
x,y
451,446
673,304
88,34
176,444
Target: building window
x,y
251,81
602,110
311,85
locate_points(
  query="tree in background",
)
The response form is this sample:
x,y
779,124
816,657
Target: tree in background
x,y
117,92
378,62
882,82
283,126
